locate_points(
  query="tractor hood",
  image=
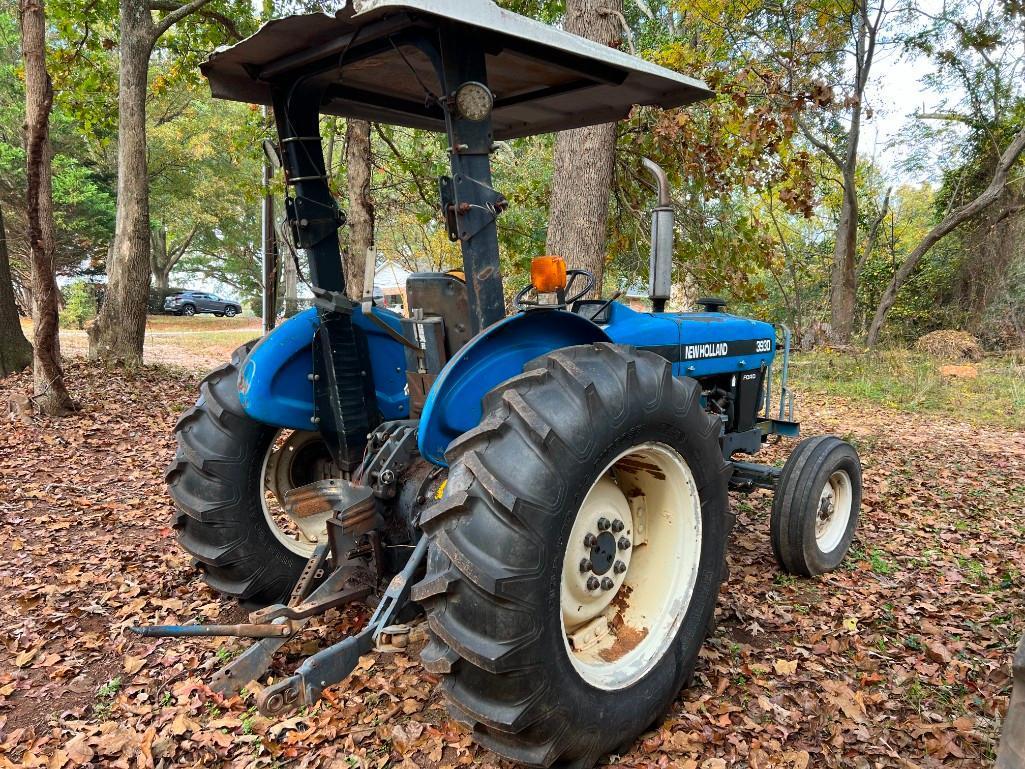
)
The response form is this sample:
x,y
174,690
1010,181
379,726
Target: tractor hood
x,y
543,79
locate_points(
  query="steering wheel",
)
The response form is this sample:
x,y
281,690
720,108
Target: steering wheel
x,y
563,297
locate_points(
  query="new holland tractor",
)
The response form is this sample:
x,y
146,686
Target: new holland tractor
x,y
542,489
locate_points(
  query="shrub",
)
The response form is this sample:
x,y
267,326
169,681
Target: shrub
x,y
79,305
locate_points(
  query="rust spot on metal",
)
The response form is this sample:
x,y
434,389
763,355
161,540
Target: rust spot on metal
x,y
637,466
627,639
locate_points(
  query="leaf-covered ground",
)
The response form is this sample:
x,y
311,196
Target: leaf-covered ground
x,y
898,660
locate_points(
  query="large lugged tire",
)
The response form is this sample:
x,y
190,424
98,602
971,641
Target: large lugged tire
x,y
576,444
815,507
215,480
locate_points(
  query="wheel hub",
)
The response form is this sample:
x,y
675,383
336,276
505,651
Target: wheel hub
x,y
834,511
603,554
595,547
292,461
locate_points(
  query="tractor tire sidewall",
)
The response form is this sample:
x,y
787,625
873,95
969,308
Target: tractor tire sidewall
x,y
571,397
796,502
215,481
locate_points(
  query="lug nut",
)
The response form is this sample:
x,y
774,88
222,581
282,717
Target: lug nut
x,y
624,543
585,565
619,568
589,539
607,584
618,526
604,524
593,583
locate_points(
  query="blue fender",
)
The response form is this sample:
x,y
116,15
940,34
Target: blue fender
x,y
498,353
274,384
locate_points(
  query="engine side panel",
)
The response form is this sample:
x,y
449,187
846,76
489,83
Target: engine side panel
x,y
698,344
274,384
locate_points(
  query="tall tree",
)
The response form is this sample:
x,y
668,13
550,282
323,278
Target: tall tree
x,y
585,158
359,168
120,329
15,350
865,23
51,396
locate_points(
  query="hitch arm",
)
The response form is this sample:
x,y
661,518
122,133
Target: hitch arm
x,y
263,630
329,666
255,660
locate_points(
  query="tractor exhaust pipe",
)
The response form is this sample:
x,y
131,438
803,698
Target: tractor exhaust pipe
x,y
663,224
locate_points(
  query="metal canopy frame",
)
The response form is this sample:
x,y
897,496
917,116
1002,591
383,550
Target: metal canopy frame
x,y
544,79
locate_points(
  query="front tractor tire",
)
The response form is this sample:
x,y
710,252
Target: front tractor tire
x,y
576,557
815,507
219,482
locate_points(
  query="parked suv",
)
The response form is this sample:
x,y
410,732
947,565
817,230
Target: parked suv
x,y
193,302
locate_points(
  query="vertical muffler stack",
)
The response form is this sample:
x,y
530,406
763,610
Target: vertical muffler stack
x,y
663,223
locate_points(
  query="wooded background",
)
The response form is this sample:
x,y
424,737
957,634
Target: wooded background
x,y
783,206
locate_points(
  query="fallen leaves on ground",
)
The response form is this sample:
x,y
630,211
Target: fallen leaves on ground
x,y
899,659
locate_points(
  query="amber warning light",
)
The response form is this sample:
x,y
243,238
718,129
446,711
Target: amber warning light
x,y
548,274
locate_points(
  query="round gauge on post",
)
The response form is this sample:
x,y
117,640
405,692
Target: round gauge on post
x,y
474,101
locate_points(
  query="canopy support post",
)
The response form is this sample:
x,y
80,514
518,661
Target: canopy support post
x,y
474,203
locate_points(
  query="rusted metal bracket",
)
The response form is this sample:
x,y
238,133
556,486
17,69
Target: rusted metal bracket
x,y
331,665
311,608
254,662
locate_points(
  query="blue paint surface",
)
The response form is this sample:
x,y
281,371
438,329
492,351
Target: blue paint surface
x,y
677,333
274,384
498,353
275,389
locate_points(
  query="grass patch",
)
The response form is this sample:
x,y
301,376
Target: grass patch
x,y
909,381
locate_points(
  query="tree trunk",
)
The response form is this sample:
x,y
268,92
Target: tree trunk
x,y
949,223
120,329
358,162
51,396
584,160
160,265
15,350
843,293
843,280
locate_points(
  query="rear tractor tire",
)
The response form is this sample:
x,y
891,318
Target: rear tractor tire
x,y
815,507
227,473
576,557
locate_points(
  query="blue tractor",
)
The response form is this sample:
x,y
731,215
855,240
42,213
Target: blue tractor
x,y
541,494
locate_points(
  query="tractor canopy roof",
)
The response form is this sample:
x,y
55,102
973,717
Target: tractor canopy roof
x,y
543,79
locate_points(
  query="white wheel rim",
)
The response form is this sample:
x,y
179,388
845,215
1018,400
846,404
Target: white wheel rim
x,y
833,511
616,634
294,542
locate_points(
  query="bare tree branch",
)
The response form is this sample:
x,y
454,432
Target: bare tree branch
x,y
175,13
820,144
